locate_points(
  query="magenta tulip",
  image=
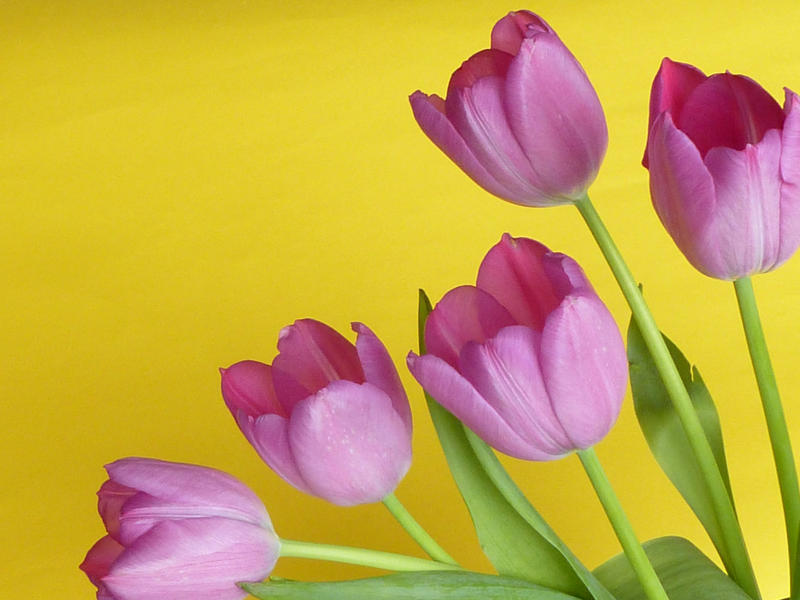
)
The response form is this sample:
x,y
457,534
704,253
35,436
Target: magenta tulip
x,y
724,163
178,531
329,417
530,359
521,118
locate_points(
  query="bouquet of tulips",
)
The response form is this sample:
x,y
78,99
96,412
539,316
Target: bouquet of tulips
x,y
528,361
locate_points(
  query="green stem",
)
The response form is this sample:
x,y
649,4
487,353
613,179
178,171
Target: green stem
x,y
415,530
776,422
622,527
361,556
735,558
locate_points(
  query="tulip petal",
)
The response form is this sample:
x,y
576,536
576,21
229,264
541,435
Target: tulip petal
x,y
458,396
790,177
379,370
510,31
99,559
248,386
505,372
682,191
672,85
189,485
465,314
746,223
349,443
315,354
194,559
556,116
475,107
270,438
584,368
730,111
429,113
513,273
110,498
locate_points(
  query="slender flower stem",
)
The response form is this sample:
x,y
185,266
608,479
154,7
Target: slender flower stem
x,y
773,412
361,556
415,530
622,527
737,561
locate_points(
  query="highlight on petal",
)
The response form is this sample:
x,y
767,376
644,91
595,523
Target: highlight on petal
x,y
584,368
214,554
555,114
682,191
790,179
465,314
429,113
748,189
316,354
505,372
349,443
189,485
458,396
379,370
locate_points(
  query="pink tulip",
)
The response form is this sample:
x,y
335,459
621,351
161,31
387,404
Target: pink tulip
x,y
724,163
329,417
530,359
178,531
521,119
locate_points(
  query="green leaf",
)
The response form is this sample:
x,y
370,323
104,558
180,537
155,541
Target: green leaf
x,y
430,585
509,542
665,435
687,574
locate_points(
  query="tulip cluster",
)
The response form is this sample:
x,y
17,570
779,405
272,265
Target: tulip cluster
x,y
529,358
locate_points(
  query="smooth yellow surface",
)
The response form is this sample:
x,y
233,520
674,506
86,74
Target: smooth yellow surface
x,y
180,180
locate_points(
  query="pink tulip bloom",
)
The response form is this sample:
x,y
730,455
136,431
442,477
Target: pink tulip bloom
x,y
724,163
178,531
530,358
521,118
330,418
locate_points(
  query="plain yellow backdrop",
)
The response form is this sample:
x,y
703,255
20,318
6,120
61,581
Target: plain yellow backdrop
x,y
179,180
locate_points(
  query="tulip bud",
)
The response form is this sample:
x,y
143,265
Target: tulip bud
x,y
530,358
521,118
724,170
330,418
178,531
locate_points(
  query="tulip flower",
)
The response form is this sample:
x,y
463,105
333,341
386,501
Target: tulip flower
x,y
521,118
330,418
724,163
178,531
530,358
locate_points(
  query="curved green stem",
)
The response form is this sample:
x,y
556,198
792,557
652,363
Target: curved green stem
x,y
736,559
361,556
415,530
622,527
776,422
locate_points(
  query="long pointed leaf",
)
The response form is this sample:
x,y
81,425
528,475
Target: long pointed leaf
x,y
430,585
514,547
687,574
665,435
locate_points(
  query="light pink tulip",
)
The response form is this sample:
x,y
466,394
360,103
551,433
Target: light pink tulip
x,y
724,163
530,359
178,531
329,417
521,118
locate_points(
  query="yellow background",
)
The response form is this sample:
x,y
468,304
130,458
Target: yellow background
x,y
180,180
